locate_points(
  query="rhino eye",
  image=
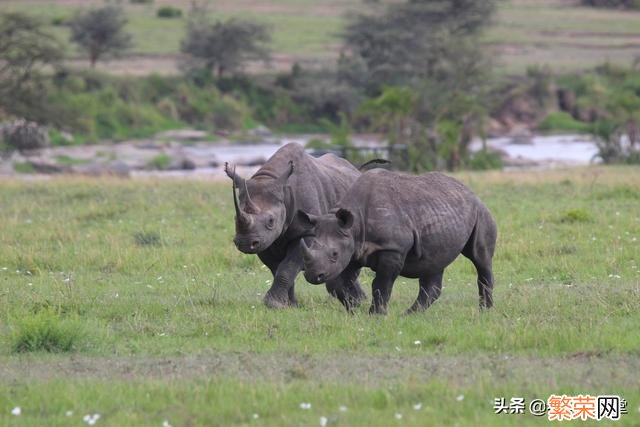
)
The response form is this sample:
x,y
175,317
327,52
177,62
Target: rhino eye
x,y
271,222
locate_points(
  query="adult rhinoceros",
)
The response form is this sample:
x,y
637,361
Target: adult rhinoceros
x,y
266,206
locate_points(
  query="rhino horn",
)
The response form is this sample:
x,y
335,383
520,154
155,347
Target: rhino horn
x,y
244,219
306,251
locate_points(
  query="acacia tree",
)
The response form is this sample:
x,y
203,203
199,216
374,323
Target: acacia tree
x,y
224,47
100,32
432,48
414,39
26,49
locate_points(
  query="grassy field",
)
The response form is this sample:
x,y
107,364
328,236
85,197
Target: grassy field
x,y
151,315
527,32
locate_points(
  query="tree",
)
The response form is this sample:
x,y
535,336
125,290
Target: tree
x,y
224,47
413,40
25,51
422,63
100,32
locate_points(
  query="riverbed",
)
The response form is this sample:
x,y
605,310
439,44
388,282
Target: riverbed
x,y
201,158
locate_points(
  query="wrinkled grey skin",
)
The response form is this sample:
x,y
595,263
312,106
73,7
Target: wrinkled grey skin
x,y
265,208
399,224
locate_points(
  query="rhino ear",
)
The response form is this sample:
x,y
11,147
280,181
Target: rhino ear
x,y
345,218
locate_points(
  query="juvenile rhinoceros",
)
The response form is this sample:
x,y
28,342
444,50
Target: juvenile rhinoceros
x,y
399,224
266,207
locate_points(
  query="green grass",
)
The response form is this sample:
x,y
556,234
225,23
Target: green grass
x,y
23,167
172,325
45,331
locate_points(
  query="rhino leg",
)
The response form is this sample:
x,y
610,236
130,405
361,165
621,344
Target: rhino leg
x,y
479,249
430,289
281,294
387,267
347,289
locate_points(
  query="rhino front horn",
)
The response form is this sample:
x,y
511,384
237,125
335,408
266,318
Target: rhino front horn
x,y
306,251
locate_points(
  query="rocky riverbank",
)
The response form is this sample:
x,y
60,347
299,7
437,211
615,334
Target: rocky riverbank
x,y
189,153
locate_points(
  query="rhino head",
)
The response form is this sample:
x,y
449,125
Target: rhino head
x,y
261,211
330,244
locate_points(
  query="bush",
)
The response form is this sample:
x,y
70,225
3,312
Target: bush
x,y
575,215
160,162
562,121
141,1
613,4
485,160
147,239
48,332
169,12
59,21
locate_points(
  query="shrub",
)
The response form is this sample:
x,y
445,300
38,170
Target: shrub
x,y
562,121
169,12
45,331
613,4
23,167
59,21
160,162
575,215
485,160
147,239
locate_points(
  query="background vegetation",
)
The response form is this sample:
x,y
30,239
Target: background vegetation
x,y
429,76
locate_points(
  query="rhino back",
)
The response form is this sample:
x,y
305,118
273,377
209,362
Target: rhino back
x,y
430,215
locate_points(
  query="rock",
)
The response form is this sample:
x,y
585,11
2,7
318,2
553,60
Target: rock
x,y
115,168
255,161
183,135
186,164
260,131
23,135
45,167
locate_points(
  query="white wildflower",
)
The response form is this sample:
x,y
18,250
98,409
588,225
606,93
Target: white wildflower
x,y
305,405
16,411
323,421
91,419
417,406
398,416
460,398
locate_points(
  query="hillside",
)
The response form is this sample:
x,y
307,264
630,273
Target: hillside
x,y
554,32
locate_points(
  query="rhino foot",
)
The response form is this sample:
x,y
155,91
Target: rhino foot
x,y
277,301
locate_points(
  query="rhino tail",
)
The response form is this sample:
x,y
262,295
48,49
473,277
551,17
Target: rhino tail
x,y
417,244
375,163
